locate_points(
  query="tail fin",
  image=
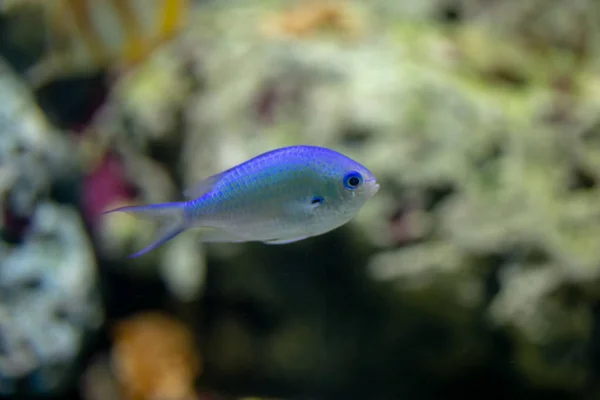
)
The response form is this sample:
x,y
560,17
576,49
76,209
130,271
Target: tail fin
x,y
172,221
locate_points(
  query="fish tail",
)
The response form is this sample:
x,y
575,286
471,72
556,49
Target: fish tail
x,y
170,216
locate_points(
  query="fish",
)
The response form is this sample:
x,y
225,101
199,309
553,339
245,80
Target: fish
x,y
86,36
278,197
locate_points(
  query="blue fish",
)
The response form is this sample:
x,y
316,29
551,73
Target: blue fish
x,y
282,196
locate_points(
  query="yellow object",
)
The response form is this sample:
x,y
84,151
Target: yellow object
x,y
87,35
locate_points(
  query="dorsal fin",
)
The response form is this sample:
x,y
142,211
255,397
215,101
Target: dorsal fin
x,y
203,187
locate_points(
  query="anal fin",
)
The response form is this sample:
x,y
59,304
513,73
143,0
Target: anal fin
x,y
285,241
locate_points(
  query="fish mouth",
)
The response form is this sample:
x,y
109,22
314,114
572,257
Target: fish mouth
x,y
375,188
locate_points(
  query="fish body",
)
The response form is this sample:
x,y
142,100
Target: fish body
x,y
278,197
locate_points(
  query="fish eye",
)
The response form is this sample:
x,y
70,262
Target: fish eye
x,y
352,180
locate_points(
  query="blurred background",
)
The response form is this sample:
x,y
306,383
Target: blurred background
x,y
473,273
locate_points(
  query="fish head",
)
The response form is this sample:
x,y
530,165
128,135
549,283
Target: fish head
x,y
356,184
350,184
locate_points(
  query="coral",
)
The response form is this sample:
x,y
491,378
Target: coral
x,y
104,187
144,104
154,356
82,38
532,299
542,24
48,288
48,300
486,147
307,18
479,145
33,154
499,178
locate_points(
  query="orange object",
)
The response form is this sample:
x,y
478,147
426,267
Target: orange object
x,y
310,17
154,357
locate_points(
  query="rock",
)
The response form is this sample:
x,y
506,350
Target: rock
x,y
49,301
